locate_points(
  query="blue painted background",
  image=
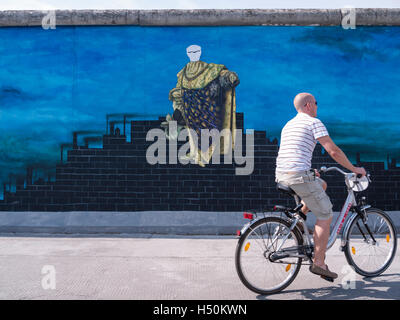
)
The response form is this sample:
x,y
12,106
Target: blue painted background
x,y
53,82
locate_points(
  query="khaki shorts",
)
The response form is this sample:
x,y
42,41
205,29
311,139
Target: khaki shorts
x,y
309,188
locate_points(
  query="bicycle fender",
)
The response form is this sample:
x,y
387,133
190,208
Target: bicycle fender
x,y
346,230
245,227
249,224
252,222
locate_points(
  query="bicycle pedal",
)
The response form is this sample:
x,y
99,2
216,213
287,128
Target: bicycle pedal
x,y
327,278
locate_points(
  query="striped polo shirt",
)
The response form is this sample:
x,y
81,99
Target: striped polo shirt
x,y
298,139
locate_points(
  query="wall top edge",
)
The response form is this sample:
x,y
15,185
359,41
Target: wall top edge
x,y
201,17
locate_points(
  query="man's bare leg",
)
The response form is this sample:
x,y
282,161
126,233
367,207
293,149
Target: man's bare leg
x,y
304,208
321,237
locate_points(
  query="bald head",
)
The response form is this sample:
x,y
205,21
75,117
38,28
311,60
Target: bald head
x,y
302,99
305,103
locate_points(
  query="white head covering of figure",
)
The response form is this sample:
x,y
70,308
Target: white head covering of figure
x,y
193,52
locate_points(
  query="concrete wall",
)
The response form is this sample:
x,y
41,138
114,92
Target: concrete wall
x,y
212,17
187,222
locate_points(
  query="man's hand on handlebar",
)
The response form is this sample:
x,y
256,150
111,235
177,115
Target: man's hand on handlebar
x,y
359,171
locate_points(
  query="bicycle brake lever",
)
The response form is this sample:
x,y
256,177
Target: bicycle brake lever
x,y
322,169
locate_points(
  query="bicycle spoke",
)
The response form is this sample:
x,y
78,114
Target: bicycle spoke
x,y
255,268
262,244
374,254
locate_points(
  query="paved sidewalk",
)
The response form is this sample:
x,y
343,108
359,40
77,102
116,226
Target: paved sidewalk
x,y
151,267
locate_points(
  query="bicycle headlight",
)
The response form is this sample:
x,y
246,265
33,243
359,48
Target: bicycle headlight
x,y
359,184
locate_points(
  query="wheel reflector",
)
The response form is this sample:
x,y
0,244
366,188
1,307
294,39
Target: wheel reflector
x,y
288,267
387,238
247,246
353,250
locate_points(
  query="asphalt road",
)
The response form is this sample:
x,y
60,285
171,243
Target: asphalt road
x,y
151,267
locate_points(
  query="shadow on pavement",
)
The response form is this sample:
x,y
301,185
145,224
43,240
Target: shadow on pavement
x,y
371,288
116,235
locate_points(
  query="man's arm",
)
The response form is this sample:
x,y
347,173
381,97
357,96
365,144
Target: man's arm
x,y
338,155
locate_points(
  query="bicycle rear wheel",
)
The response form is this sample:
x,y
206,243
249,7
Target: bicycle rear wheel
x,y
371,246
253,265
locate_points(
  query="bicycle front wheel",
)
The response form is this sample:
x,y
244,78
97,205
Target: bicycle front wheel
x,y
256,269
371,245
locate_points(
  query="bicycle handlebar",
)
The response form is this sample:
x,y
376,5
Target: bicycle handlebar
x,y
325,169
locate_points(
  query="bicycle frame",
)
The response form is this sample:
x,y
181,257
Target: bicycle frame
x,y
350,201
341,220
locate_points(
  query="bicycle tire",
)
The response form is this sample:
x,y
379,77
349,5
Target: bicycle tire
x,y
354,249
239,251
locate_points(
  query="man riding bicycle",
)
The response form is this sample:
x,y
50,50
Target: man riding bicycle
x,y
293,169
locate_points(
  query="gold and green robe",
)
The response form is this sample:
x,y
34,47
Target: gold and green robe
x,y
205,96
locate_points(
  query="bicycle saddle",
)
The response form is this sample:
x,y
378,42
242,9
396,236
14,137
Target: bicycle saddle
x,y
285,189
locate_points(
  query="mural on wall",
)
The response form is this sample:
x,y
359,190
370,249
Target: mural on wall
x,y
204,98
63,89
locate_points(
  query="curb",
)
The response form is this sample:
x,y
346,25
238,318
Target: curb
x,y
141,222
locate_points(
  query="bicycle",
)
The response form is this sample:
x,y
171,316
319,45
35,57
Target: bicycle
x,y
271,248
